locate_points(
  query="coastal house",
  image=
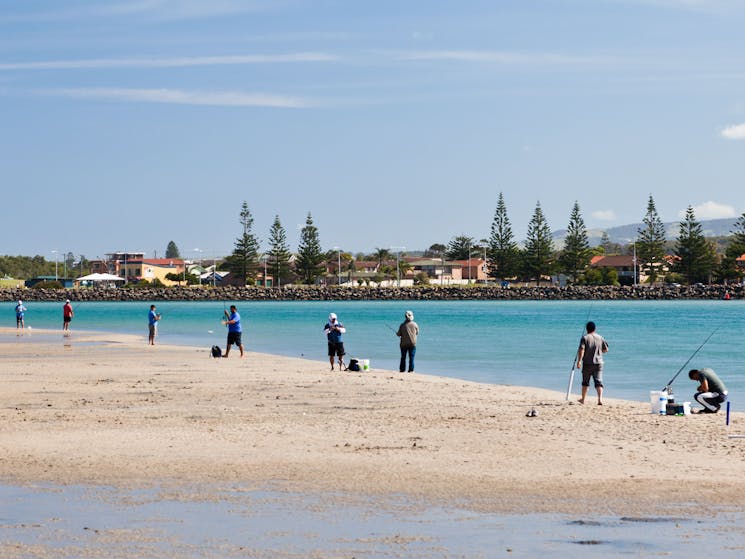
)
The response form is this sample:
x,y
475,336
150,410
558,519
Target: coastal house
x,y
473,270
113,262
438,270
622,263
151,269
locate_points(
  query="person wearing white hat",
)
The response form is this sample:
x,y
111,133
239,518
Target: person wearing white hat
x,y
408,331
334,330
67,314
20,310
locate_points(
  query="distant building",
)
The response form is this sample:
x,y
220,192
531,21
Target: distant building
x,y
622,263
151,269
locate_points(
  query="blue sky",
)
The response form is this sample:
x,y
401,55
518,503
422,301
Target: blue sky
x,y
130,123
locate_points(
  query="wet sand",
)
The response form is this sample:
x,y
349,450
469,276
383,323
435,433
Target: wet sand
x,y
105,409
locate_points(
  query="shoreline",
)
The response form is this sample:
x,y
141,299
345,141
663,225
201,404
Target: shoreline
x,y
170,415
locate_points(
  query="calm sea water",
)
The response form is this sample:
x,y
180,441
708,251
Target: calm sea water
x,y
529,343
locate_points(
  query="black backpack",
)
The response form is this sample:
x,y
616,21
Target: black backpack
x,y
354,365
216,351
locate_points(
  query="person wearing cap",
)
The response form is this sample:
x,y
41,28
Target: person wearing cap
x,y
235,330
67,314
592,346
408,331
334,330
711,392
20,310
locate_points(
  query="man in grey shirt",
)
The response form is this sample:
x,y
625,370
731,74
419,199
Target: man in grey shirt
x,y
590,360
711,392
408,331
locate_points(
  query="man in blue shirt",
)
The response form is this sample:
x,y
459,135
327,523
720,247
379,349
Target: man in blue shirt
x,y
152,325
333,330
233,323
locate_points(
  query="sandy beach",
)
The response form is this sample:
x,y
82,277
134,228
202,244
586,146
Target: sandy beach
x,y
105,409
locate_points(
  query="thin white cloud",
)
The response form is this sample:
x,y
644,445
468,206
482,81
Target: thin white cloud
x,y
734,132
604,215
712,6
173,62
152,10
503,57
711,210
180,97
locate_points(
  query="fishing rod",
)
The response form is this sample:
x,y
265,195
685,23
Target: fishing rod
x,y
667,386
574,359
391,329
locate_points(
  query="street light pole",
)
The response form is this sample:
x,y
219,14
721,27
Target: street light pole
x,y
398,266
55,264
198,251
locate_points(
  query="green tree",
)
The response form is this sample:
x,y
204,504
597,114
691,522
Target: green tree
x,y
279,253
650,247
310,258
172,250
243,262
696,255
539,247
735,248
437,250
575,256
459,248
382,255
503,251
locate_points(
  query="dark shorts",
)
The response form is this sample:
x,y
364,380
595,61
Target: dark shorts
x,y
67,319
594,372
336,348
234,338
152,329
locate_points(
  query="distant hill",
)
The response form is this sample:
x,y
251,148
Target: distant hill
x,y
625,234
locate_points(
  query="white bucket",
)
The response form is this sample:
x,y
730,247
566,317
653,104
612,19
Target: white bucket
x,y
365,364
686,408
658,400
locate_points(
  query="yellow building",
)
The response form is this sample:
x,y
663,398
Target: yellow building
x,y
150,269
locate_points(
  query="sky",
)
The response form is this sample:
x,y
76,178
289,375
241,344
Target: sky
x,y
126,124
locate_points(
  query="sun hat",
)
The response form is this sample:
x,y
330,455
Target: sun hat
x,y
410,315
332,316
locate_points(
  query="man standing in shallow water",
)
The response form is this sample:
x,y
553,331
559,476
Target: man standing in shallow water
x,y
590,360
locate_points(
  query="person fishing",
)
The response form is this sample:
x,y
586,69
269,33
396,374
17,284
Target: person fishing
x,y
67,314
20,313
334,330
235,331
407,331
711,392
592,346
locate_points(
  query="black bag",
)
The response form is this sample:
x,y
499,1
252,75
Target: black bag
x,y
216,351
354,365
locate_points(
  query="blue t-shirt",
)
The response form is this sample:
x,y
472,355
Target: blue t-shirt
x,y
152,318
333,335
20,309
235,326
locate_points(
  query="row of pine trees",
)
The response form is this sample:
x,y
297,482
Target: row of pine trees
x,y
696,258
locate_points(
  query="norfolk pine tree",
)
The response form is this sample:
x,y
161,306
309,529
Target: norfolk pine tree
x,y
696,255
279,253
539,245
243,262
576,254
172,250
650,248
309,263
735,249
503,252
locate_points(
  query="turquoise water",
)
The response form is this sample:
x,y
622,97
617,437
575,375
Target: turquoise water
x,y
527,343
